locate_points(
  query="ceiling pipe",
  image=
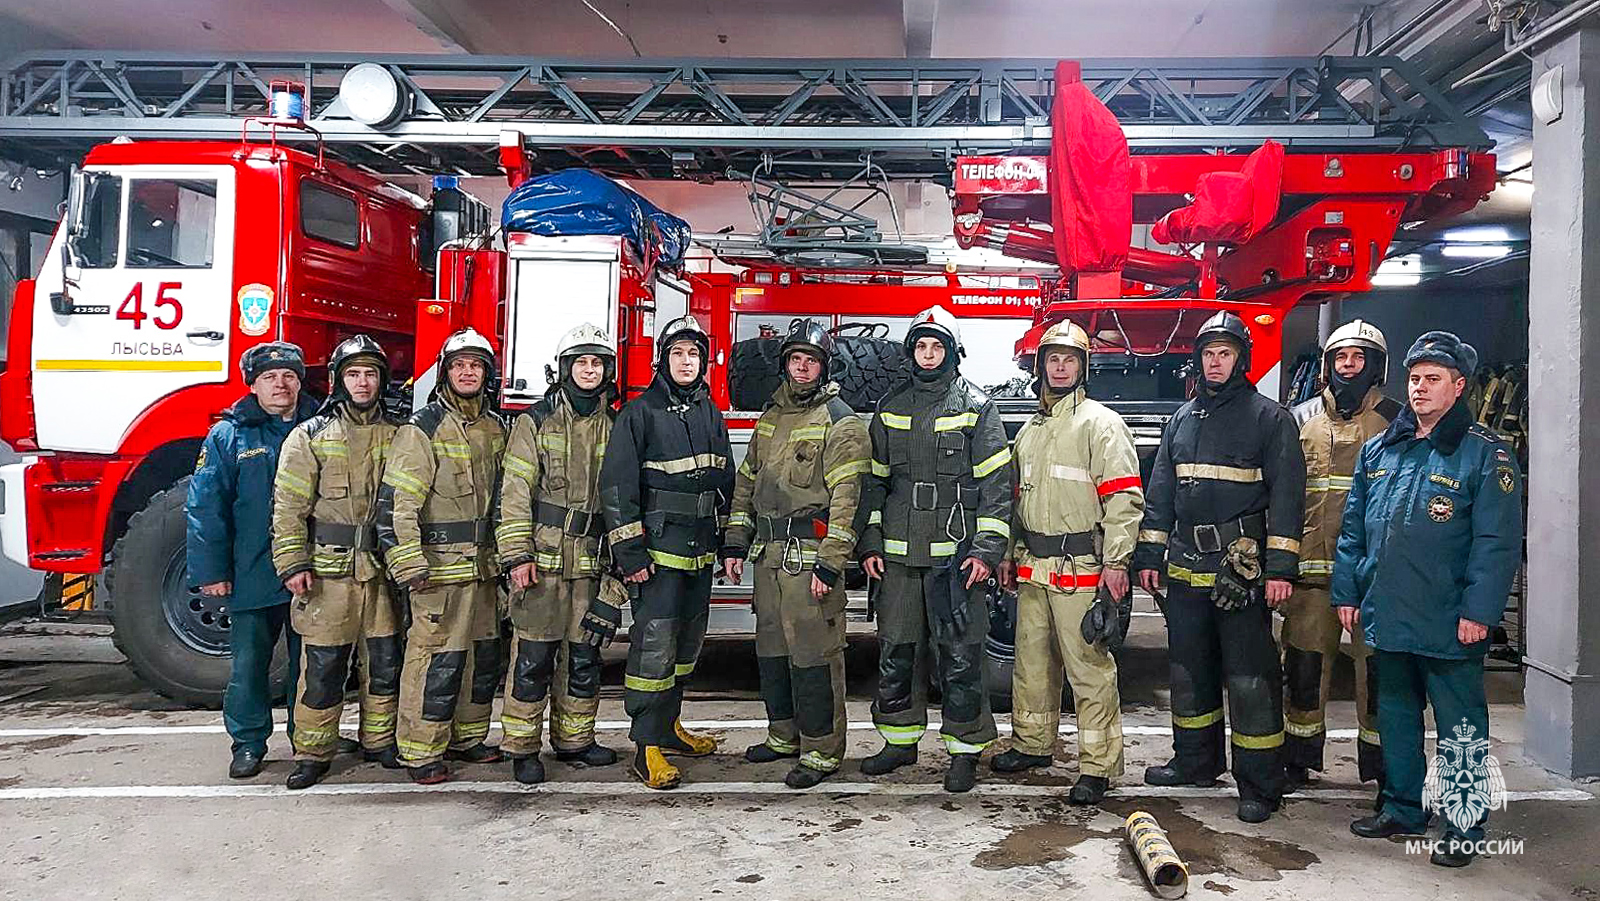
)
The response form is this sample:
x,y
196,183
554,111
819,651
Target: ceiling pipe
x,y
1556,23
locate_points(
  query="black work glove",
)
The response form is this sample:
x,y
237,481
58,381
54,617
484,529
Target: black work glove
x,y
1238,582
947,601
600,624
1105,623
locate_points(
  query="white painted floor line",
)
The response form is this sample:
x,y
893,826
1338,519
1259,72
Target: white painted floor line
x,y
993,790
603,726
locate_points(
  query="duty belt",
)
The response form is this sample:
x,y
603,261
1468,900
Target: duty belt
x,y
579,523
782,528
683,503
361,538
937,495
467,531
1071,544
1211,538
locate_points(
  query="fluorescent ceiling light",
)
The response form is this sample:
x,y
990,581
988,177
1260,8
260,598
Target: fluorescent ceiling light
x,y
1479,234
1475,251
1396,279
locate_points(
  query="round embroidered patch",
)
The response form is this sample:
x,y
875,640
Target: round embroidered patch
x,y
1441,508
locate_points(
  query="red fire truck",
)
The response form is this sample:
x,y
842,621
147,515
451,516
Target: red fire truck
x,y
175,257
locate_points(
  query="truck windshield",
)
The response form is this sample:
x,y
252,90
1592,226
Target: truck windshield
x,y
171,223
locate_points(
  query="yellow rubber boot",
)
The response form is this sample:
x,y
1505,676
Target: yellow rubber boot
x,y
690,744
651,768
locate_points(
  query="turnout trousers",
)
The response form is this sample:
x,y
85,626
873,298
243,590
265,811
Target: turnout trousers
x,y
669,627
551,666
800,645
900,709
342,622
1208,648
1049,642
451,670
1311,636
1455,689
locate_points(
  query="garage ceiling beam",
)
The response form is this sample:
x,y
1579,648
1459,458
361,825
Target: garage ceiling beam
x,y
437,20
919,17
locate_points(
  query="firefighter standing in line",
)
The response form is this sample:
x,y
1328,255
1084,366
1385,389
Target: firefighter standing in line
x,y
939,504
794,505
229,539
1076,518
664,487
1431,540
548,534
324,547
1333,426
435,509
1225,507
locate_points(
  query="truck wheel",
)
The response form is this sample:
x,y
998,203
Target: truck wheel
x,y
754,372
175,639
872,368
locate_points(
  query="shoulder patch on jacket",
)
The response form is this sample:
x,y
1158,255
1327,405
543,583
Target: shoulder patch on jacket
x,y
838,409
200,462
428,418
316,424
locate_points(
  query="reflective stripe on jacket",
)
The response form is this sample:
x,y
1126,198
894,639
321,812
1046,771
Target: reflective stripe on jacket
x,y
329,471
1331,443
553,457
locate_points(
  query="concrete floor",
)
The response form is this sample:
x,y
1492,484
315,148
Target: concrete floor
x,y
108,791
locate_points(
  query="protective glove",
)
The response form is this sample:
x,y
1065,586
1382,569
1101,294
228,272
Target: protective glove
x,y
604,617
947,600
1239,577
1105,623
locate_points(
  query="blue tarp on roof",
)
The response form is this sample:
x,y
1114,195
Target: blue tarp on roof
x,y
581,202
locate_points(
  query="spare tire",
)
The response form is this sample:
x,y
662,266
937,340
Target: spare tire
x,y
870,365
754,372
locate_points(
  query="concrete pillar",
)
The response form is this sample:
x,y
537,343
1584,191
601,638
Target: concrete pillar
x,y
1563,597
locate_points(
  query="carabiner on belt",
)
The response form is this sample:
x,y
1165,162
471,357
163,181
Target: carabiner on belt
x,y
958,513
792,550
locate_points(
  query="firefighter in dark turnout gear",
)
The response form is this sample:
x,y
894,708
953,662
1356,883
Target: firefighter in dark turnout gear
x,y
794,510
939,506
548,532
1333,426
665,487
1225,507
325,548
435,514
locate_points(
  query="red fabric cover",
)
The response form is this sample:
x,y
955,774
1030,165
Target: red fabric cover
x,y
1229,207
1091,190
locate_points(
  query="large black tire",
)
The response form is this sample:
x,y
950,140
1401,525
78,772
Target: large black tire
x,y
175,640
754,372
999,656
871,368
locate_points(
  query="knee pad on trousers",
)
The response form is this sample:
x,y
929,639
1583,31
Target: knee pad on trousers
x,y
963,681
657,649
536,663
1303,673
383,665
1372,685
813,686
1254,706
776,688
583,669
691,639
326,670
485,670
896,669
442,687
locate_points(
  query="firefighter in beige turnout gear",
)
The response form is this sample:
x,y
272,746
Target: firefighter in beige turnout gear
x,y
434,523
324,547
794,506
548,532
1351,409
1077,515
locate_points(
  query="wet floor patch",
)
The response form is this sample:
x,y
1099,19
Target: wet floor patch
x,y
1206,851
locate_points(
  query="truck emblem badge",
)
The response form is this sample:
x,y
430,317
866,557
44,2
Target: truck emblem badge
x,y
1441,508
255,309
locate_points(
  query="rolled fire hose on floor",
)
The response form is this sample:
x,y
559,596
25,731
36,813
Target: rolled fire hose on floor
x,y
1168,876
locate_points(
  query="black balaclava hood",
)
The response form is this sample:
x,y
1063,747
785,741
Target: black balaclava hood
x,y
1238,375
945,367
587,400
1349,393
691,391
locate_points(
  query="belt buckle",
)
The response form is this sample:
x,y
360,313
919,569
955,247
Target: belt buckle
x,y
1204,532
916,495
566,523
